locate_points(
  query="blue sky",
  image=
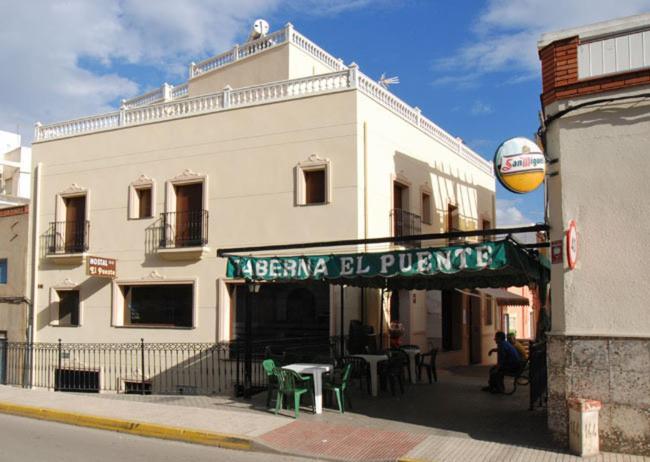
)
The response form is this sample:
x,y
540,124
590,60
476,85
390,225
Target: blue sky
x,y
470,65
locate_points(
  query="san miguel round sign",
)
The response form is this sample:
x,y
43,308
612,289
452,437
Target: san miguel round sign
x,y
519,165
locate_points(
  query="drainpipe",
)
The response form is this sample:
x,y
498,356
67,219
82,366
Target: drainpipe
x,y
35,211
364,308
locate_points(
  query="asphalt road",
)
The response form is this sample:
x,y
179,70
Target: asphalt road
x,y
23,439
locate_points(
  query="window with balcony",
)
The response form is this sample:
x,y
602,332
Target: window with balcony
x,y
69,234
184,224
404,222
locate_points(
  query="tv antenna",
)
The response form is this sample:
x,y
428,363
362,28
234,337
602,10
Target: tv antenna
x,y
385,82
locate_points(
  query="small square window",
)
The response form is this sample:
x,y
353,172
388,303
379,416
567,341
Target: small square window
x,y
68,308
313,179
426,208
314,186
3,270
144,197
141,199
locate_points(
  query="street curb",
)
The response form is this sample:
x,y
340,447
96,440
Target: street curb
x,y
132,427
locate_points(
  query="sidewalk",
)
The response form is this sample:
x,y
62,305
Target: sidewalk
x,y
246,425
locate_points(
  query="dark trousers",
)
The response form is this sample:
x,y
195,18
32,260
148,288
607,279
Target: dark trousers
x,y
496,377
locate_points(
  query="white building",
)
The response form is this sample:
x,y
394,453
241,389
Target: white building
x,y
274,141
15,170
597,132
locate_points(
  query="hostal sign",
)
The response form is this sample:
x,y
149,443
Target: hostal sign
x,y
519,165
101,267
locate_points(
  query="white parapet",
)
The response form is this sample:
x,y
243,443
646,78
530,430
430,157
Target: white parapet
x,y
171,102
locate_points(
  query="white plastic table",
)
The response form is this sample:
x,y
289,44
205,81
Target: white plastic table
x,y
373,360
412,353
317,371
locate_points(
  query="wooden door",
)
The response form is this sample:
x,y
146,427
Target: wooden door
x,y
397,196
75,223
189,216
398,207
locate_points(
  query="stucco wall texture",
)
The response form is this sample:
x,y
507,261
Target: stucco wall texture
x,y
600,341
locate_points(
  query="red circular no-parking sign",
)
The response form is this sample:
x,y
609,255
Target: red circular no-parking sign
x,y
572,244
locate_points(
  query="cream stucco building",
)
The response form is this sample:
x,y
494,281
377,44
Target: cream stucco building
x,y
274,141
597,130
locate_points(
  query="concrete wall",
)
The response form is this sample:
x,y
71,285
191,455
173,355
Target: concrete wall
x,y
603,185
248,157
285,61
398,151
14,230
270,66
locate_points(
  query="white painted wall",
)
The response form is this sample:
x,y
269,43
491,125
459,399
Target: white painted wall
x,y
603,185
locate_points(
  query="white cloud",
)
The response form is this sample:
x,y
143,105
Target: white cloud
x,y
508,214
43,44
504,37
480,108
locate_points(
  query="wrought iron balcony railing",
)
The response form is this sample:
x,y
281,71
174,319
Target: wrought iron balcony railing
x,y
67,237
184,229
406,224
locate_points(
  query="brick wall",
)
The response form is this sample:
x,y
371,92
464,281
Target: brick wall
x,y
560,74
13,211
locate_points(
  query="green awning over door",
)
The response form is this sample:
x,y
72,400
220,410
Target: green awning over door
x,y
488,264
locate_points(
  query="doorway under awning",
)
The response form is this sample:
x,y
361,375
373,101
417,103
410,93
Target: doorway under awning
x,y
503,297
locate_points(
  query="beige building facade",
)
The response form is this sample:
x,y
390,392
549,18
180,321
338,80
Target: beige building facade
x,y
273,142
595,98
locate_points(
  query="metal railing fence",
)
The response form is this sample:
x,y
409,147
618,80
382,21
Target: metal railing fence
x,y
184,229
154,368
68,237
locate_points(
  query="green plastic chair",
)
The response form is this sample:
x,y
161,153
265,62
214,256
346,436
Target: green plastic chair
x,y
292,383
340,389
269,367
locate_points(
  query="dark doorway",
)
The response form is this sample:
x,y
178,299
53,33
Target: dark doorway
x,y
394,306
75,223
452,320
189,215
280,310
474,330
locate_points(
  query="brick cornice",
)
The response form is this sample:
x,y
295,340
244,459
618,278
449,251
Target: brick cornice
x,y
13,211
597,85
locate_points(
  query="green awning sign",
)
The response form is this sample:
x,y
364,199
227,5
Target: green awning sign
x,y
406,263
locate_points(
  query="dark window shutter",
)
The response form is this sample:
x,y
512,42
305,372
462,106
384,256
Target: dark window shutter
x,y
315,187
144,201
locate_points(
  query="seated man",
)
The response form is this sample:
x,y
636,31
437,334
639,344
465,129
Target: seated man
x,y
518,346
508,361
